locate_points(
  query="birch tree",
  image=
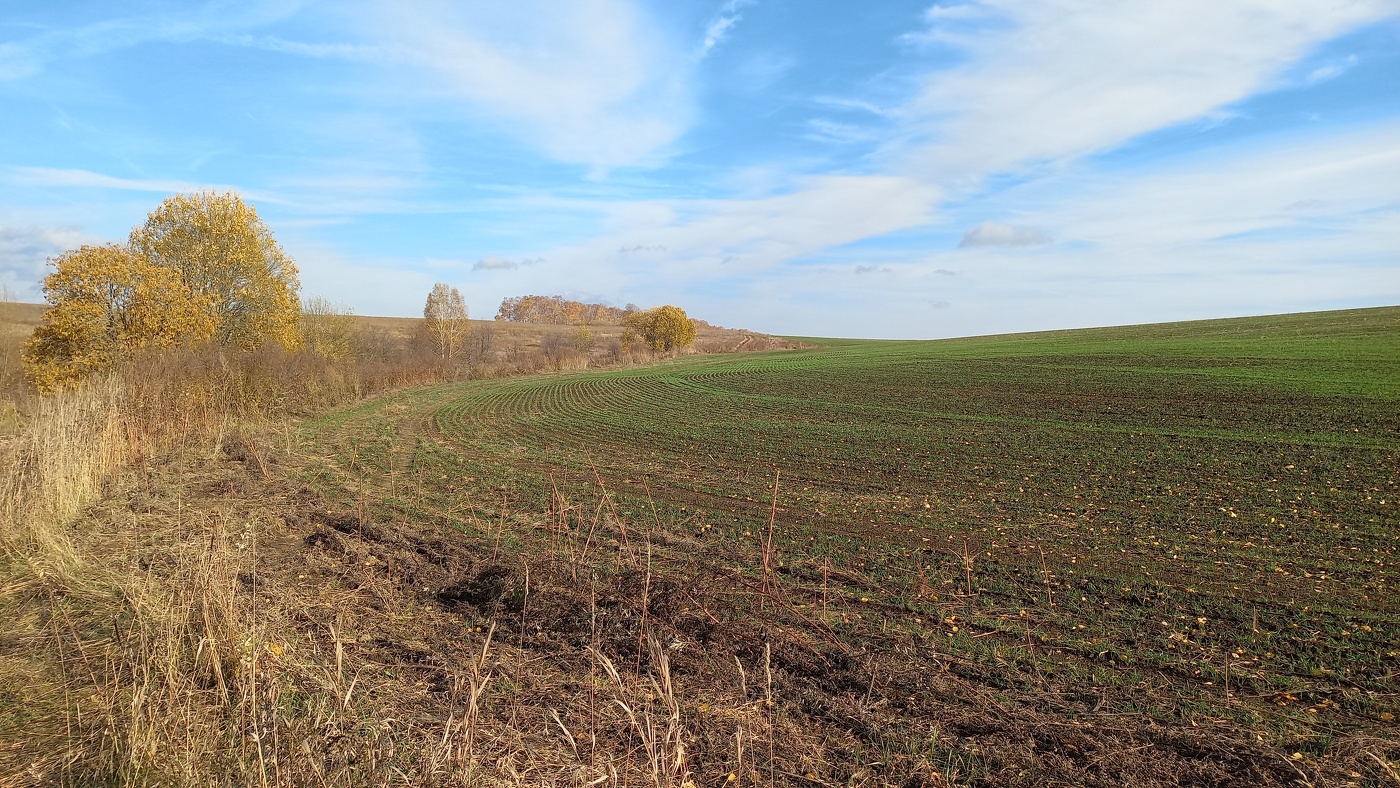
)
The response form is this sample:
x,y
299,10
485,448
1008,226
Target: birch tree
x,y
445,316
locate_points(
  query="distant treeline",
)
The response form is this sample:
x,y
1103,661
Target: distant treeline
x,y
557,310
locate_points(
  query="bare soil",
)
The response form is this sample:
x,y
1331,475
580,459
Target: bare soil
x,y
520,634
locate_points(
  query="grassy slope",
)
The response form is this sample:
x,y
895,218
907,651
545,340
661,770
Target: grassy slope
x,y
1181,525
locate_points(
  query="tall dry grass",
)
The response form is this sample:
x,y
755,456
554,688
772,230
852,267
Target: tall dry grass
x,y
127,659
134,653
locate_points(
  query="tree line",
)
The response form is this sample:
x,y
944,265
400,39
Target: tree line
x,y
205,269
557,310
662,329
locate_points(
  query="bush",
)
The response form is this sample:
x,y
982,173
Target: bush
x,y
203,267
662,329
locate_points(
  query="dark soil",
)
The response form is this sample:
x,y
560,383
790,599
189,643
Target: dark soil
x,y
766,689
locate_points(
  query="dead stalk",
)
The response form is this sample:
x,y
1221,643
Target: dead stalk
x,y
1045,575
768,582
826,569
770,710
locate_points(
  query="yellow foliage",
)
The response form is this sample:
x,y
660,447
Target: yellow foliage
x,y
661,329
202,267
106,301
230,263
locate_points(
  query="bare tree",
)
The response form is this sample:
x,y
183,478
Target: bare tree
x,y
328,328
480,343
445,316
555,347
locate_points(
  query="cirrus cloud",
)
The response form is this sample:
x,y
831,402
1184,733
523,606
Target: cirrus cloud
x,y
1057,79
594,82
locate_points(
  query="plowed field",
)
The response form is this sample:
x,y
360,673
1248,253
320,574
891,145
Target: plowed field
x,y
1194,525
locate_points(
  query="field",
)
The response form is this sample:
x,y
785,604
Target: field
x,y
1146,555
17,322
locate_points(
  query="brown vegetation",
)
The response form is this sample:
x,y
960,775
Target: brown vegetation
x,y
178,606
212,621
203,268
558,310
184,608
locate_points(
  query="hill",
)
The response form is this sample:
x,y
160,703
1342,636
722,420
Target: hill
x,y
1151,555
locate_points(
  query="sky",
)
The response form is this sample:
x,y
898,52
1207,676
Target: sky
x,y
892,169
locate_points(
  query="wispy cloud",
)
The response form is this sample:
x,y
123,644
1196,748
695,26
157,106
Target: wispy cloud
x,y
825,130
719,27
821,213
716,31
399,143
1331,70
1057,79
86,179
1337,182
191,22
369,53
732,240
593,82
990,233
501,264
848,104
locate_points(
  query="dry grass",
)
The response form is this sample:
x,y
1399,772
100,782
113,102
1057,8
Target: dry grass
x,y
205,629
216,622
142,519
17,322
183,611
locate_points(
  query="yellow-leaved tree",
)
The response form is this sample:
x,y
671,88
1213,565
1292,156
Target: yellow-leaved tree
x,y
203,267
661,329
230,263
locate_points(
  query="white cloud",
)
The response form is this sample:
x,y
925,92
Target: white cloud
x,y
825,130
495,264
28,57
937,13
1284,224
1290,225
587,81
1303,185
24,252
847,104
1331,70
86,179
1064,78
990,233
336,51
656,251
719,27
492,263
716,32
823,212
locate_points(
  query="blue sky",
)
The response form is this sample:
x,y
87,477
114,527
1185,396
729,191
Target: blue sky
x,y
891,169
